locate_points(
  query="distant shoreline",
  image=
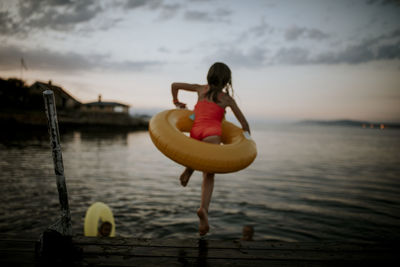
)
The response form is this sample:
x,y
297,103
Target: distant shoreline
x,y
353,123
20,119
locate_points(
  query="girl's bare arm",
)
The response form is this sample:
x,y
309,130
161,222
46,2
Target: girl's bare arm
x,y
238,114
175,87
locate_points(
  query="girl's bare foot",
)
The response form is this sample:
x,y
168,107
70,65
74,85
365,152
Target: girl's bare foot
x,y
185,176
203,226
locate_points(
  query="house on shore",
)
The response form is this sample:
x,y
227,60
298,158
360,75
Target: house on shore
x,y
110,107
64,100
25,107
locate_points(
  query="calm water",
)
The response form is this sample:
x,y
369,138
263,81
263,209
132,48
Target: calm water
x,y
307,184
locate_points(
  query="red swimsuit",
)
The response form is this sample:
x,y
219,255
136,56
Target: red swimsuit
x,y
207,122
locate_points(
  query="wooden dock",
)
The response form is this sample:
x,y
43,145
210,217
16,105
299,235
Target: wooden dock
x,y
20,251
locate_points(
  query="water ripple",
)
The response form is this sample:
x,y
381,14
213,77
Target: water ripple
x,y
307,184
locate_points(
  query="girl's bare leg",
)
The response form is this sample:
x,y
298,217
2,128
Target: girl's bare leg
x,y
185,176
206,192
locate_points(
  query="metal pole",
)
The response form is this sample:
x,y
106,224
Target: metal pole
x,y
63,226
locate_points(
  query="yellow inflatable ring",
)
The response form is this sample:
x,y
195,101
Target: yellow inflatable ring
x,y
99,219
237,152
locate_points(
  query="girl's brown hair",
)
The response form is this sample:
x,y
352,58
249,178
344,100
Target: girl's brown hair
x,y
219,79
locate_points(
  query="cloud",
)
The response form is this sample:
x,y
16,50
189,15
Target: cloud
x,y
301,56
129,65
261,29
67,15
383,47
167,10
219,15
294,33
44,59
383,2
291,56
7,23
360,54
133,4
355,54
254,33
197,15
163,49
389,51
60,15
254,57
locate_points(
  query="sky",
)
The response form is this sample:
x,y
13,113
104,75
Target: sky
x,y
290,59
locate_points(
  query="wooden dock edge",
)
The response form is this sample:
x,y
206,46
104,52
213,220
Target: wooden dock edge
x,y
120,251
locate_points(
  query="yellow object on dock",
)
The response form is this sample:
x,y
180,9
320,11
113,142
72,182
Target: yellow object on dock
x,y
99,221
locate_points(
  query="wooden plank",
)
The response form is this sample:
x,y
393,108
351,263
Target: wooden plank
x,y
217,253
232,244
19,237
118,260
139,252
17,258
114,260
326,245
17,245
120,241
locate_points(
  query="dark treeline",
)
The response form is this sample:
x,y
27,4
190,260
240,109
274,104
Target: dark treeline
x,y
15,94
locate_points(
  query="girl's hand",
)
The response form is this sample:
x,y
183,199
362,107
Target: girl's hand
x,y
180,105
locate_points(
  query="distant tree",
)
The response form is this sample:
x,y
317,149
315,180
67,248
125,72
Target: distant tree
x,y
15,94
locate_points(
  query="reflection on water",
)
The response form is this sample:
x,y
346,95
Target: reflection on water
x,y
307,184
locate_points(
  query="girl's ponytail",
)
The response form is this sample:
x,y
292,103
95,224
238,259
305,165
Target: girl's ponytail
x,y
219,79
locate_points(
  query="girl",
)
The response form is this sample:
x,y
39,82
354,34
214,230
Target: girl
x,y
213,98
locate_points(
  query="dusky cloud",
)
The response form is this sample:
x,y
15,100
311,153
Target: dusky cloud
x,y
68,15
133,4
44,59
254,57
261,29
7,23
167,10
57,14
294,33
383,2
32,16
218,15
290,56
255,33
383,47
